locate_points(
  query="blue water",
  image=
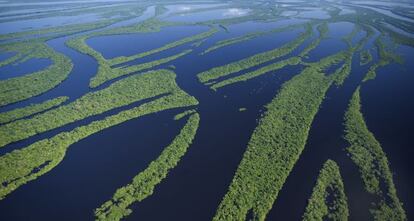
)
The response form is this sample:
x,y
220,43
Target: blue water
x,y
208,15
131,44
21,69
96,166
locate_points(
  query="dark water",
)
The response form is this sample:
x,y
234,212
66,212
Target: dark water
x,y
6,55
214,111
85,67
96,166
77,82
27,67
92,170
325,142
201,179
131,44
387,107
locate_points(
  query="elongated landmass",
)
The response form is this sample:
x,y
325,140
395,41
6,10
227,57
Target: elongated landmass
x,y
104,67
328,200
386,56
366,152
143,184
152,24
18,113
102,77
249,75
246,37
29,163
11,60
254,60
59,31
323,31
343,72
107,72
21,88
197,37
292,61
121,93
185,113
227,42
277,143
108,15
365,57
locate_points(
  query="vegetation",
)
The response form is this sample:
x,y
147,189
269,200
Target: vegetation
x,y
107,72
21,88
366,152
152,24
11,60
144,183
328,200
277,143
120,12
323,31
128,90
343,72
104,68
27,164
79,44
365,57
18,113
121,93
198,37
246,37
254,60
386,56
184,114
258,72
292,61
357,28
113,73
54,32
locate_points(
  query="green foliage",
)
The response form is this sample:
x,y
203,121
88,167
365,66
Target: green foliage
x,y
277,143
197,37
112,73
254,60
105,70
386,56
183,114
11,60
328,185
343,72
120,12
323,31
54,32
246,37
143,184
249,75
365,57
79,44
29,163
21,88
121,93
348,38
152,24
366,152
18,113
